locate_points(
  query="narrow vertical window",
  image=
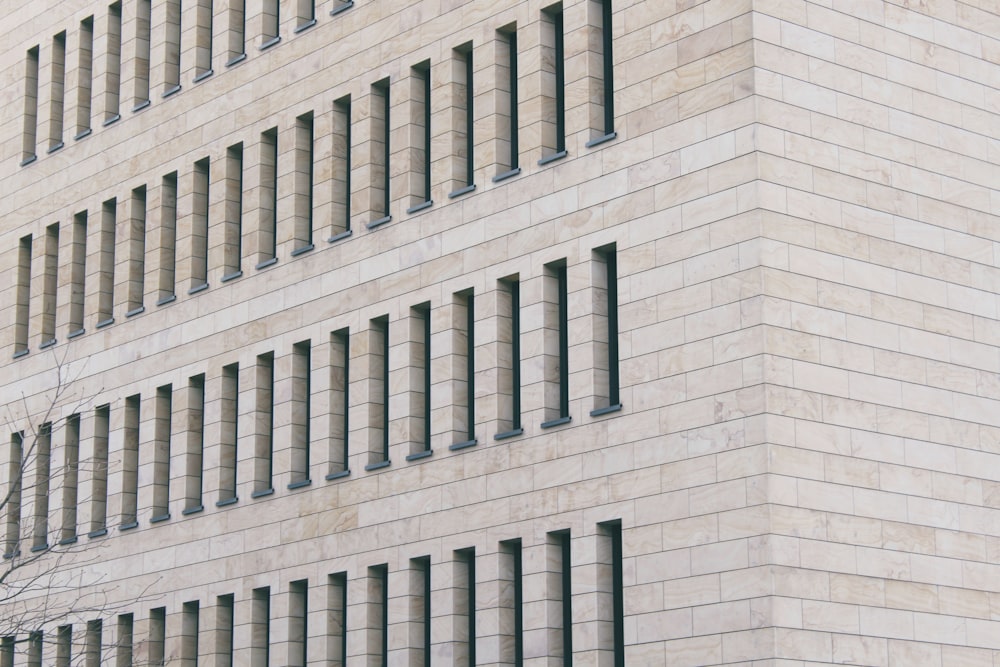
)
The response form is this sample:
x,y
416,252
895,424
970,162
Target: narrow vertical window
x,y
264,446
172,48
85,75
507,102
379,154
157,635
271,23
268,224
511,602
233,224
78,274
303,188
143,45
224,629
99,473
605,334
228,437
341,167
43,466
94,641
602,87
130,464
305,11
15,473
610,591
464,122
301,412
71,473
30,128
509,337
106,263
64,645
298,623
336,621
34,649
113,65
195,444
553,63
378,612
379,394
136,267
57,91
7,652
260,626
237,32
168,239
340,358
561,594
203,39
50,282
22,296
465,602
125,640
469,334
190,613
556,328
420,610
199,228
418,414
419,158
162,418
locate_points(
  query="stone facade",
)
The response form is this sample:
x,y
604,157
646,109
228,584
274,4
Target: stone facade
x,y
350,318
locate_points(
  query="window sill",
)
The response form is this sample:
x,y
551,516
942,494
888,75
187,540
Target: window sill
x,y
509,434
271,42
556,422
552,158
227,501
111,120
140,106
463,445
49,343
342,8
128,526
262,493
136,311
420,207
204,75
420,455
337,475
231,276
303,250
337,237
54,147
462,191
21,353
39,548
606,410
172,91
82,134
305,26
377,466
266,263
74,334
198,288
611,136
192,510
160,519
507,174
235,60
67,540
28,160
167,299
299,484
100,532
103,323
378,223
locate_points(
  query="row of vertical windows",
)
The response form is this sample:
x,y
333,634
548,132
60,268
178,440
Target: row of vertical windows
x,y
163,50
444,400
405,602
459,177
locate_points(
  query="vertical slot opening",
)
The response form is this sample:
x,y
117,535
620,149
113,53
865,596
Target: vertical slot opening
x,y
301,412
78,274
271,18
95,631
203,39
336,624
130,463
341,177
511,602
168,239
15,472
605,333
162,418
233,224
339,402
190,612
553,64
298,623
268,224
561,585
305,14
264,445
379,154
22,296
224,627
136,252
557,340
229,433
199,227
463,144
106,263
303,184
260,626
419,143
64,645
611,591
30,128
172,48
99,472
237,32
71,476
43,466
157,635
50,282
84,86
378,611
113,65
195,444
125,640
34,648
57,92
602,88
143,47
465,602
509,357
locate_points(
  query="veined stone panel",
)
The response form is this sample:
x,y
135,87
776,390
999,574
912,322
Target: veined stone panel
x,y
317,385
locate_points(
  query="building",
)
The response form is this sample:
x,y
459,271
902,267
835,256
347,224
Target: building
x,y
501,332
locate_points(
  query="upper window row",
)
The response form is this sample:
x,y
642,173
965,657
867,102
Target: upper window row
x,y
159,61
